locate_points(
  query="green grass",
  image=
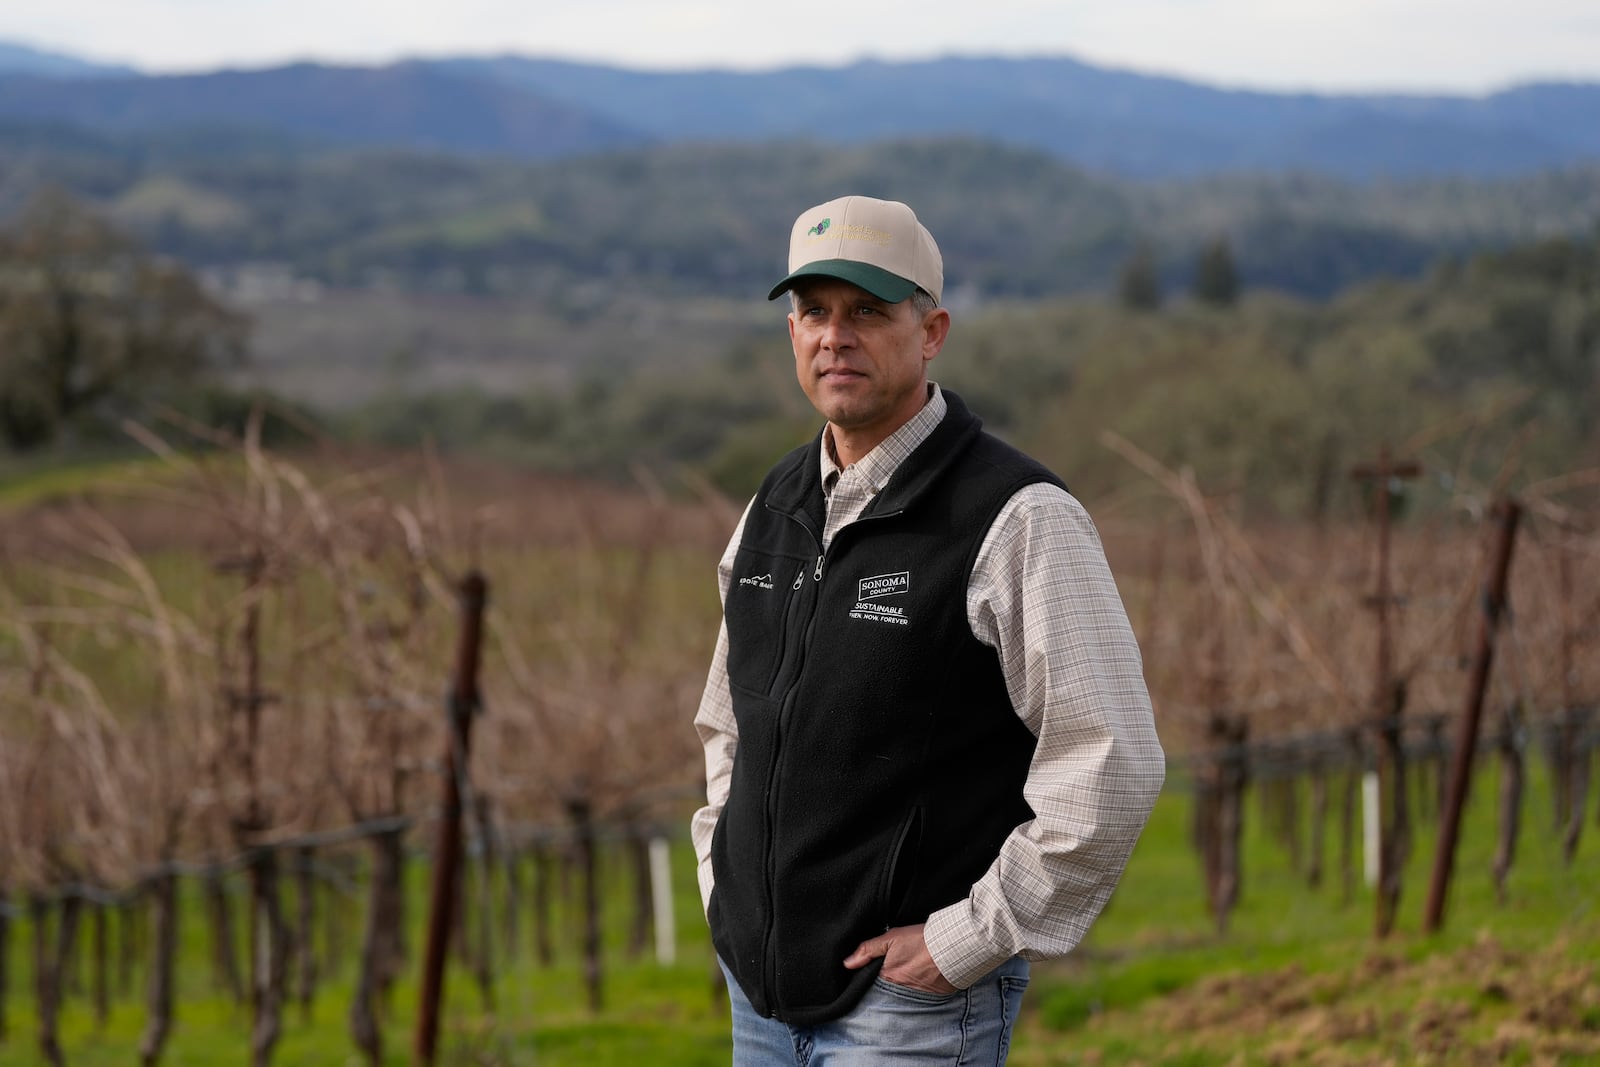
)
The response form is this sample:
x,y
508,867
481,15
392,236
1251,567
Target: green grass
x,y
1149,985
1104,1005
540,1014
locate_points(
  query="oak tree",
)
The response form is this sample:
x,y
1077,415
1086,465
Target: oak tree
x,y
91,323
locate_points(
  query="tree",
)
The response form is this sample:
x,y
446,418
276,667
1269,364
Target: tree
x,y
90,322
1139,286
1216,280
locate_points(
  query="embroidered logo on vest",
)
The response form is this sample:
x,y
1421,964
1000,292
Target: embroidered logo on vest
x,y
760,581
883,585
870,590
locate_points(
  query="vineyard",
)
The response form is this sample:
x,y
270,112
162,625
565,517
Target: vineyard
x,y
234,732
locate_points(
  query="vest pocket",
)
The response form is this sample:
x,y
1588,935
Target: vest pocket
x,y
901,869
761,608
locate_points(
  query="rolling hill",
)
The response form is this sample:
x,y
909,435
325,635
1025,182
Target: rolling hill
x,y
1110,121
409,105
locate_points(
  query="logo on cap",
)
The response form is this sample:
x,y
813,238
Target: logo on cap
x,y
820,228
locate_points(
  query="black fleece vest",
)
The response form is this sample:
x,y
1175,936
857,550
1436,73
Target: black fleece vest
x,y
880,762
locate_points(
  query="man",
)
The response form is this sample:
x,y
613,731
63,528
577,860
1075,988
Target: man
x,y
929,746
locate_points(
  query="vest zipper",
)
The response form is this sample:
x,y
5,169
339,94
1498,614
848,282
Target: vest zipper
x,y
769,867
784,706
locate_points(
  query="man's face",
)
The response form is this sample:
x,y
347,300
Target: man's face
x,y
862,362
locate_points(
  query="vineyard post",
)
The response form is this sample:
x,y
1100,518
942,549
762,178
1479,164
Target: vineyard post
x,y
224,961
1319,813
1220,812
580,810
245,706
661,898
160,987
462,705
1386,703
46,988
67,940
269,943
1506,512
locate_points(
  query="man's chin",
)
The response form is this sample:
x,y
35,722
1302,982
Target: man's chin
x,y
844,416
839,406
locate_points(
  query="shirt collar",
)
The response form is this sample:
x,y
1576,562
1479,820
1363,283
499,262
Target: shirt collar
x,y
877,466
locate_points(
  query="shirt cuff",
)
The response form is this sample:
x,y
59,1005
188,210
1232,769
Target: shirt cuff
x,y
959,947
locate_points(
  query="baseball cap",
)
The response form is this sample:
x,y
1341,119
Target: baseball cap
x,y
876,244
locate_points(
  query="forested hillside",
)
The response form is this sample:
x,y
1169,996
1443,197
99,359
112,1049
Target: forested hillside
x,y
699,219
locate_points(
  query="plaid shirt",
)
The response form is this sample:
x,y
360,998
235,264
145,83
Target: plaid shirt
x,y
1042,595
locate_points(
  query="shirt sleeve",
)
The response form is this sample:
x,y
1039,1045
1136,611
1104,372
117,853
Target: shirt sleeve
x,y
1042,595
718,730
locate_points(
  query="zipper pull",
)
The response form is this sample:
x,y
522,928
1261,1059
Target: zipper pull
x,y
816,575
799,577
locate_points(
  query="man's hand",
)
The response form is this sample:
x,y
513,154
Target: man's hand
x,y
905,959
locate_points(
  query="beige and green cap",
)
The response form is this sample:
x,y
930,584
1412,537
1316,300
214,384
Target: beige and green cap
x,y
876,244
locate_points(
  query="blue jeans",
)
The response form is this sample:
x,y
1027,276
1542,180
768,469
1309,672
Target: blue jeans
x,y
892,1025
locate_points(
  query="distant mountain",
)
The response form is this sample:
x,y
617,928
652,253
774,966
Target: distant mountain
x,y
411,105
1111,121
21,59
1116,121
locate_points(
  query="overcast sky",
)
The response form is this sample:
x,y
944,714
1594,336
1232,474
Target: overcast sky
x,y
1453,45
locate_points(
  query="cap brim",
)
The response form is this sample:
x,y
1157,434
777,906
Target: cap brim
x,y
888,287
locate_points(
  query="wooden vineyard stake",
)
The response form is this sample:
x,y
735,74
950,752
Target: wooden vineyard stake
x,y
224,959
1388,701
160,989
1506,514
580,810
463,704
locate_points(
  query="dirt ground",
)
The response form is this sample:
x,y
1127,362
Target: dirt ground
x,y
1484,1004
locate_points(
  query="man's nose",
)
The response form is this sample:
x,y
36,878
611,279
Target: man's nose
x,y
838,333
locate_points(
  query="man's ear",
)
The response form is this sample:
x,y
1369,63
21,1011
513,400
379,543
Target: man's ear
x,y
935,329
